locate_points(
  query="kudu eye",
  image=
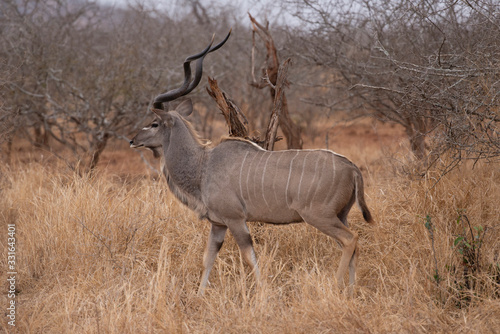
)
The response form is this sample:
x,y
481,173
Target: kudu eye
x,y
154,125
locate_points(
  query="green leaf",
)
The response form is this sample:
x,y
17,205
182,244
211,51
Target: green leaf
x,y
427,222
458,240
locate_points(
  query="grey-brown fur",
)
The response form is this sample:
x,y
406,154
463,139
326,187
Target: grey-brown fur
x,y
237,181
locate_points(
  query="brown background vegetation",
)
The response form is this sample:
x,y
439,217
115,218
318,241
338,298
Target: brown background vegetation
x,y
414,106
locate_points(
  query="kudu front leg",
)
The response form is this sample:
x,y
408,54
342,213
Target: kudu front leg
x,y
214,244
241,234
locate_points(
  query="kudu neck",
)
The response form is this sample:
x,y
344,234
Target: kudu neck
x,y
183,157
183,139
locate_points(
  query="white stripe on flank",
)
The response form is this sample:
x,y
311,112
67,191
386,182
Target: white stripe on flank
x,y
331,188
334,173
262,182
319,178
274,178
256,170
302,175
334,168
313,179
288,181
248,177
241,171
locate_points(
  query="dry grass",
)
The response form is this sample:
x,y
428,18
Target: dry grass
x,y
111,255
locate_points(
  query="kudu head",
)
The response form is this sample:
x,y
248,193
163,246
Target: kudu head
x,y
157,132
154,135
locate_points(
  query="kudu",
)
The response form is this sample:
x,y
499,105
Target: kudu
x,y
237,181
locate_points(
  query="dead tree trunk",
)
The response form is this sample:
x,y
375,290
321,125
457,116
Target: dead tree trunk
x,y
236,120
291,130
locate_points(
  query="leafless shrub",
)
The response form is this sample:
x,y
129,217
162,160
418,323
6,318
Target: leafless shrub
x,y
84,71
431,66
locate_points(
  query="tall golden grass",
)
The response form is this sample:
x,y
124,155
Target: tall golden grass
x,y
108,254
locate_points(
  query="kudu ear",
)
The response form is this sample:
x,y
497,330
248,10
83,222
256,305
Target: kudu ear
x,y
185,108
165,116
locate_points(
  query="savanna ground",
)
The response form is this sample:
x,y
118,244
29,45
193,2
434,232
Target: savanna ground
x,y
116,253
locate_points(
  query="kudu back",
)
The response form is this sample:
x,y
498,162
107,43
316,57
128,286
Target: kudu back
x,y
238,181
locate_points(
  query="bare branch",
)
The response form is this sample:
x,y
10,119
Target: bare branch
x,y
229,110
272,128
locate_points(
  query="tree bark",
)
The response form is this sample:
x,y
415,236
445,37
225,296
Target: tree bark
x,y
279,101
96,151
229,110
291,131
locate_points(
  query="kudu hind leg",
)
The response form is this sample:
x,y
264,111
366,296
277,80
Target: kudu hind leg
x,y
353,264
342,215
214,244
347,240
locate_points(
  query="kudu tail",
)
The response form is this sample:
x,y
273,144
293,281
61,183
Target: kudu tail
x,y
360,197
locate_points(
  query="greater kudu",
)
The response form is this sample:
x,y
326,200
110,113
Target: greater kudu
x,y
238,181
